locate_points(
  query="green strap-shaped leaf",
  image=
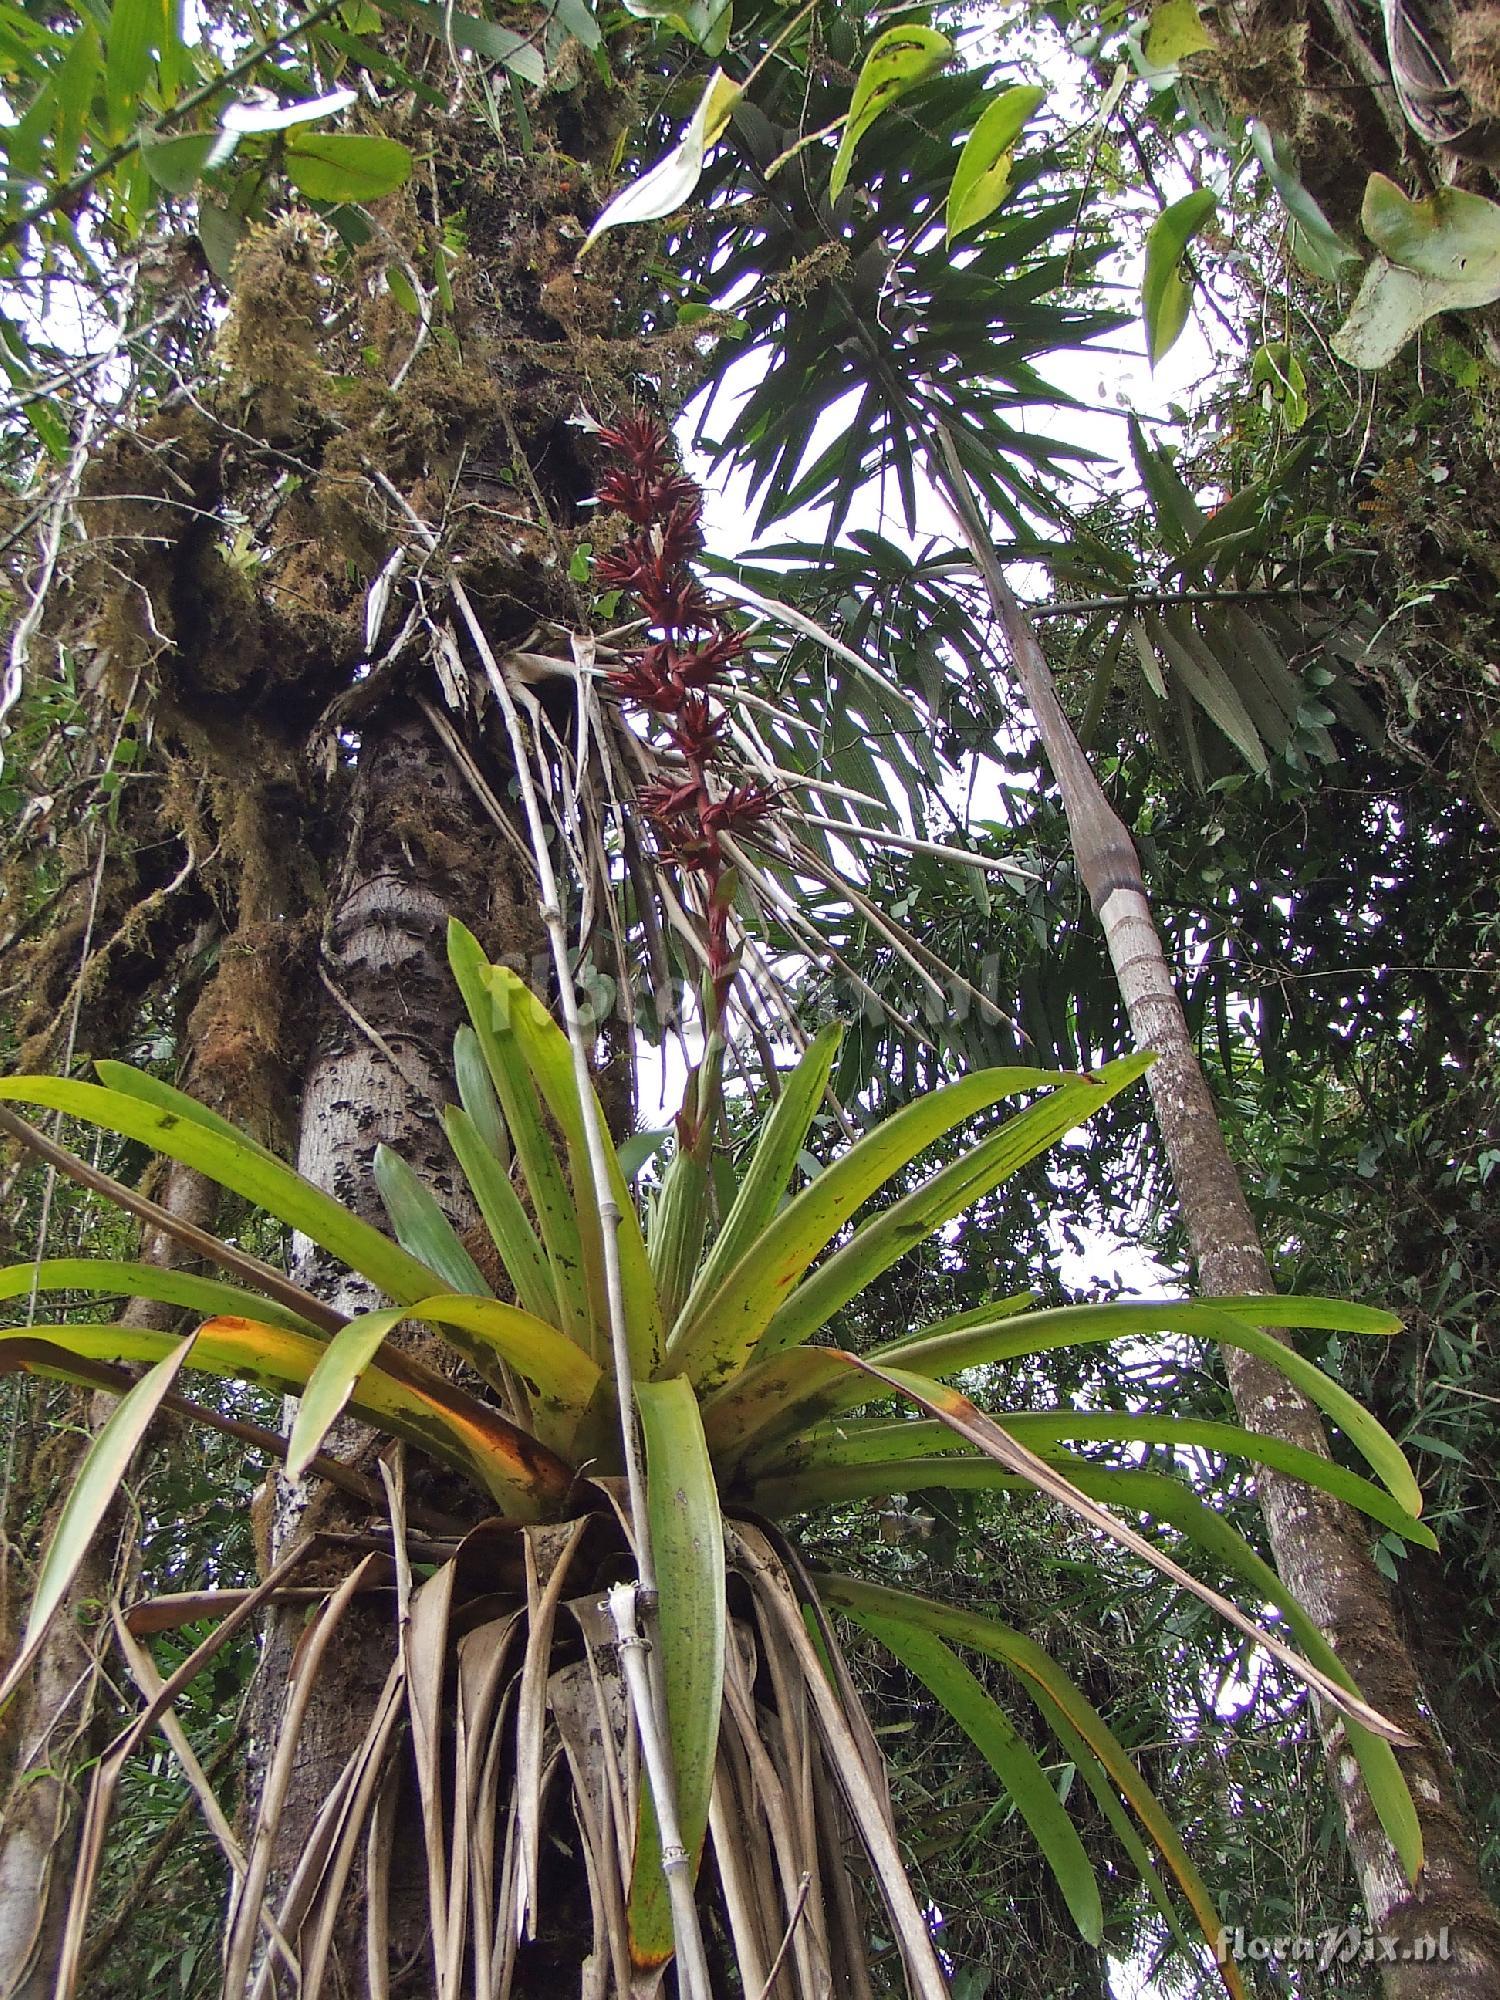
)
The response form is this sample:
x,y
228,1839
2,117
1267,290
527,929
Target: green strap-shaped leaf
x,y
1231,1322
507,1221
398,1396
331,1384
150,1089
238,1164
93,1491
898,60
550,1059
771,1165
556,1367
557,1219
118,1278
1088,1738
982,176
726,1325
953,1189
992,1732
421,1226
1165,299
687,1548
853,1460
476,1093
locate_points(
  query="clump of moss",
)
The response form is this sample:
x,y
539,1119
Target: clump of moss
x,y
1476,56
270,345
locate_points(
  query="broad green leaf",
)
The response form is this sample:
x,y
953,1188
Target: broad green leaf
x,y
238,1164
549,1057
127,1280
1165,299
1277,373
421,1226
1236,1323
771,1165
687,1548
724,1329
898,60
996,1737
150,1089
1176,32
90,1498
1437,255
507,1221
703,22
551,1200
343,1360
954,1188
982,176
346,166
1083,1731
663,189
179,164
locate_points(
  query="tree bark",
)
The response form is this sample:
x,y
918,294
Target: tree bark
x,y
418,850
1320,1547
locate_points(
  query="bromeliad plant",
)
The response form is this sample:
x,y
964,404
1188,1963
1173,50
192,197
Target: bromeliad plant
x,y
749,1406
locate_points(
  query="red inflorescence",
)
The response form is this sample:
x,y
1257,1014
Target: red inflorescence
x,y
671,674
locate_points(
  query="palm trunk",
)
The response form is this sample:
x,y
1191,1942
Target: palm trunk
x,y
1320,1546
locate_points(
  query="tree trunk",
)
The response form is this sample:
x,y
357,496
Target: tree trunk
x,y
1320,1547
419,849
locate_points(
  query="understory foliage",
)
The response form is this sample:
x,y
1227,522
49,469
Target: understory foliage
x,y
322,429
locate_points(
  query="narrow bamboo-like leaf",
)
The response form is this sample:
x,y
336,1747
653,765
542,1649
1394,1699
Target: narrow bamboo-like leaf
x,y
723,1331
136,31
1234,1322
687,1547
1059,1700
954,1188
557,1219
476,1093
238,1164
898,60
346,166
771,1165
550,1059
421,1226
331,1384
982,176
113,1278
993,1733
507,1221
1165,299
94,1487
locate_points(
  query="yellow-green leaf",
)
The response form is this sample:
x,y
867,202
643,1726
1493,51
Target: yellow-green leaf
x,y
898,60
982,176
1176,32
346,166
1165,298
